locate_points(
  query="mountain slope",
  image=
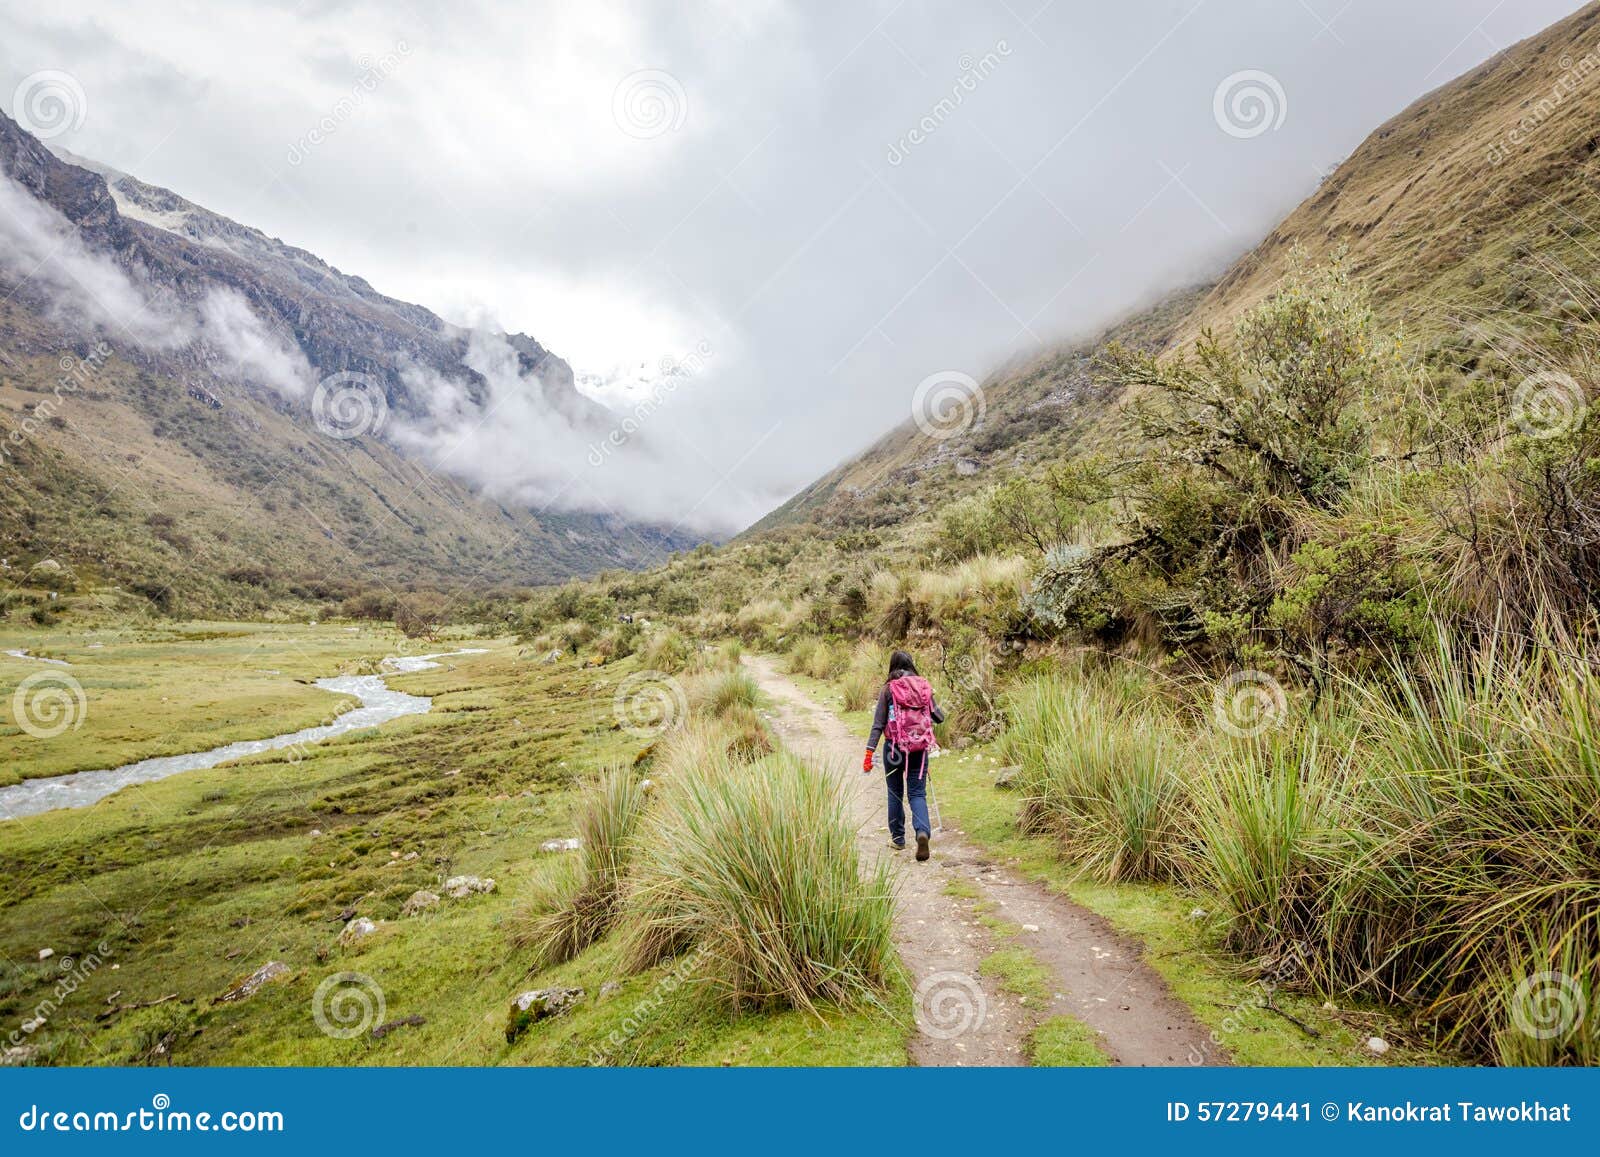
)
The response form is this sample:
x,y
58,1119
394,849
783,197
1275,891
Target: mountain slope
x,y
159,421
1467,214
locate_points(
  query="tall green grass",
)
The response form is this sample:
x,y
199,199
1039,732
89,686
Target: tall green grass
x,y
1430,839
577,901
757,867
1100,775
864,676
1433,841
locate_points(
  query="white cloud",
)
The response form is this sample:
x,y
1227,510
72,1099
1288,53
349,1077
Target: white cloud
x,y
248,349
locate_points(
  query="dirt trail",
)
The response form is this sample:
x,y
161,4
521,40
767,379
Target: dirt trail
x,y
964,1018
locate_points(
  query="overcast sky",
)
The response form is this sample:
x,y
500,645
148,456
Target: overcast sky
x,y
739,183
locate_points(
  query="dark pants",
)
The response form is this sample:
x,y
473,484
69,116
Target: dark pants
x,y
910,781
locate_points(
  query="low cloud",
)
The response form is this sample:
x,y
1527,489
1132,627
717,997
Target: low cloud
x,y
42,252
520,447
45,257
248,349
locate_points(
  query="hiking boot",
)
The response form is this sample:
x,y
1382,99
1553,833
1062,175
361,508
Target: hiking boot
x,y
922,848
894,847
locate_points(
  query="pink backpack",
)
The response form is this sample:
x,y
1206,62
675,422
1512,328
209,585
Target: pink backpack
x,y
910,725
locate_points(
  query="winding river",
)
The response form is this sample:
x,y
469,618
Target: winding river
x,y
379,704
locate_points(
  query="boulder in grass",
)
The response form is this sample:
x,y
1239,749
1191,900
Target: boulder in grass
x,y
568,845
18,1055
528,1008
358,929
1005,778
460,887
250,985
420,902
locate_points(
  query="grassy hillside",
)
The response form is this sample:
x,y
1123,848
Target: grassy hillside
x,y
1472,217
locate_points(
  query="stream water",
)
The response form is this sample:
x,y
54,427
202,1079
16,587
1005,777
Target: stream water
x,y
379,704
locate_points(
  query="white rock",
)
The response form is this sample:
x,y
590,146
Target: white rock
x,y
33,1026
1377,1044
1030,928
46,953
357,929
570,845
460,887
316,832
250,985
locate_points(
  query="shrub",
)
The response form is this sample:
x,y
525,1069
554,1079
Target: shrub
x,y
759,869
577,902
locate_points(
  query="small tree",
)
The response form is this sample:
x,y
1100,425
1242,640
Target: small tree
x,y
1278,411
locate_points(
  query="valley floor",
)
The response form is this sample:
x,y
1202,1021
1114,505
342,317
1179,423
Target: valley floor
x,y
127,928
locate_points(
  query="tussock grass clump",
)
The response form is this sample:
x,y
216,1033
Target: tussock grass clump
x,y
667,651
817,658
1269,825
578,901
758,868
1432,842
864,677
801,654
1481,794
708,659
1099,776
750,740
719,694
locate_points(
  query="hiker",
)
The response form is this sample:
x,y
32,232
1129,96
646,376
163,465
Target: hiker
x,y
904,720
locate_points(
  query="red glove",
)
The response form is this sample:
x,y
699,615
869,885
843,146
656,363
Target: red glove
x,y
866,764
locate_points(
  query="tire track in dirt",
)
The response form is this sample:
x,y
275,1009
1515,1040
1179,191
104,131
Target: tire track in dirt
x,y
964,1018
